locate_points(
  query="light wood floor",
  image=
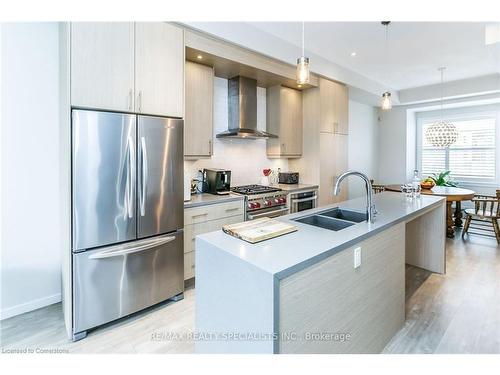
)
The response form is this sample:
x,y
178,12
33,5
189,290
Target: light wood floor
x,y
455,313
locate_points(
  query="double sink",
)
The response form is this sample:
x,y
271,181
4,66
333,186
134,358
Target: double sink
x,y
333,219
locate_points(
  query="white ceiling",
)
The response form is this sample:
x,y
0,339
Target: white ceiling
x,y
416,49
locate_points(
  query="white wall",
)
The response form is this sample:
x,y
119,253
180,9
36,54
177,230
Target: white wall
x,y
392,146
30,259
246,158
397,137
363,145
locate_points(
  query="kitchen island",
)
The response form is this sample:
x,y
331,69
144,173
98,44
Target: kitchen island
x,y
301,292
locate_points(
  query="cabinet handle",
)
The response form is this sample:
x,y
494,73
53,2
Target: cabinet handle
x,y
199,215
130,100
139,101
232,209
210,149
335,127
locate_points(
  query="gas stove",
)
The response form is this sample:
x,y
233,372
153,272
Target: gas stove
x,y
253,189
263,201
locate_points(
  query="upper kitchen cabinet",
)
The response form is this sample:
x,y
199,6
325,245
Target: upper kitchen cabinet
x,y
198,124
341,114
159,69
284,119
130,67
334,101
102,65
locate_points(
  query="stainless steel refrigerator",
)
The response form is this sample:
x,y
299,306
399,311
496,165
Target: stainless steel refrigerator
x,y
127,215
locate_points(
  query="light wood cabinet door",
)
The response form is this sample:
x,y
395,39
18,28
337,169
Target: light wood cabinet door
x,y
341,155
341,113
198,124
291,121
102,65
284,119
333,162
327,104
159,69
327,168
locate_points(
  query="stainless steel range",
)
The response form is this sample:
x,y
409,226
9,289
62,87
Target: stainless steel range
x,y
263,201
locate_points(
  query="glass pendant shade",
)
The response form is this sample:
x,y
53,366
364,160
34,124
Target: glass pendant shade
x,y
386,101
302,70
441,134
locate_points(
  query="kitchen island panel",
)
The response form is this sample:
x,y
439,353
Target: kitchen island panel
x,y
330,297
234,304
424,241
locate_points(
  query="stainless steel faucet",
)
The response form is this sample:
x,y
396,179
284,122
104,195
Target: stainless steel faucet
x,y
370,207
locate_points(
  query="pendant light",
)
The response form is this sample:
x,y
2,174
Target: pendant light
x,y
303,64
386,103
442,133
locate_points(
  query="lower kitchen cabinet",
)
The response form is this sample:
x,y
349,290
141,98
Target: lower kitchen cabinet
x,y
204,219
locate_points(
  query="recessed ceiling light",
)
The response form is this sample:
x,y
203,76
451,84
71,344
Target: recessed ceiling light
x,y
353,54
199,57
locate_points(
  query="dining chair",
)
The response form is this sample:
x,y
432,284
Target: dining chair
x,y
484,216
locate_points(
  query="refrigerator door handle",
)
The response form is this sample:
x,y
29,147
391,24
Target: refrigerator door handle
x,y
131,248
131,177
144,181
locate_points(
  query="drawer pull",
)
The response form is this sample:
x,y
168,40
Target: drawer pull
x,y
232,209
192,266
203,214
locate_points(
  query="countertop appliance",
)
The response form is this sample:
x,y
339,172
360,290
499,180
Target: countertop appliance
x,y
216,181
263,201
127,215
288,177
242,107
303,200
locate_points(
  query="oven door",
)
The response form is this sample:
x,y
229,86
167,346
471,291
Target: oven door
x,y
303,201
268,212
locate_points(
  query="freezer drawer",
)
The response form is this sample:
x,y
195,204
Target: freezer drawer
x,y
115,281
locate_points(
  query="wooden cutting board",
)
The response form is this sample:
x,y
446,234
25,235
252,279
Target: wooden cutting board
x,y
258,230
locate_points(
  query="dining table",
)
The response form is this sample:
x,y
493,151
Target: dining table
x,y
452,194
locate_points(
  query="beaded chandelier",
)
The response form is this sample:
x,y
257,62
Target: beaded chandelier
x,y
441,133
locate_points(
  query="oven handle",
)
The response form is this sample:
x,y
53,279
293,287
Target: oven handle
x,y
264,214
295,200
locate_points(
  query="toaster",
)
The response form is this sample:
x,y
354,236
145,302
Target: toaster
x,y
288,177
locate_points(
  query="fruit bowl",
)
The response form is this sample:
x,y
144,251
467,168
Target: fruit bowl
x,y
427,184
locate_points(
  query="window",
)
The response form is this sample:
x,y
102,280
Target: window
x,y
472,159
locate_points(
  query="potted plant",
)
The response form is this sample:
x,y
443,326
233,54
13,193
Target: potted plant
x,y
443,179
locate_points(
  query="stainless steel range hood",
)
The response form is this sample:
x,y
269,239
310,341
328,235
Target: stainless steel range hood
x,y
242,100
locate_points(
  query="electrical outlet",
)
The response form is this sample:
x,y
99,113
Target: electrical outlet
x,y
357,257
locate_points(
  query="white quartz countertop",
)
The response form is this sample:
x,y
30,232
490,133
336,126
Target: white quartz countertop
x,y
206,199
292,252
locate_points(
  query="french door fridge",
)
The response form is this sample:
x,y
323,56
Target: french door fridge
x,y
127,193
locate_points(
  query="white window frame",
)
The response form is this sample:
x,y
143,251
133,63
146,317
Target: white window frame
x,y
457,114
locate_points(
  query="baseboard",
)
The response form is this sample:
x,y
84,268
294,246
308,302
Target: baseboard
x,y
29,306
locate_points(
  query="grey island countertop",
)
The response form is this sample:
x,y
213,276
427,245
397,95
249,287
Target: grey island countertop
x,y
290,253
